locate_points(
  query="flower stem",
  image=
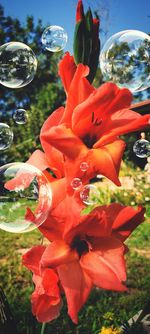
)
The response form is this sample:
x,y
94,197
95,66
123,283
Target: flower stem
x,y
43,327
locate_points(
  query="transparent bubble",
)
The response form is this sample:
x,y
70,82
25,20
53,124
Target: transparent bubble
x,y
6,136
18,65
76,183
89,194
125,60
54,38
25,197
20,116
142,148
84,166
99,176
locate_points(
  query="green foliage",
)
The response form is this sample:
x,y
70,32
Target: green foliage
x,y
40,98
26,137
136,195
133,192
12,30
103,308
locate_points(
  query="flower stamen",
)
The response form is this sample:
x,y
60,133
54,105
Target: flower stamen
x,y
80,245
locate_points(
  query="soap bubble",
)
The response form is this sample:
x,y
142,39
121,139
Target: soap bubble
x,y
20,116
18,65
84,166
142,148
76,183
125,60
6,136
25,197
89,194
54,38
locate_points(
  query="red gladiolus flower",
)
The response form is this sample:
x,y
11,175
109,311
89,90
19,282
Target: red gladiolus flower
x,y
90,252
52,158
67,72
46,300
90,125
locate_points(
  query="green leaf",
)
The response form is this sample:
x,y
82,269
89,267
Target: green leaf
x,y
89,22
94,60
78,44
87,210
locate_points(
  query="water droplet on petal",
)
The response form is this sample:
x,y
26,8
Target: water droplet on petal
x,y
89,194
84,166
76,183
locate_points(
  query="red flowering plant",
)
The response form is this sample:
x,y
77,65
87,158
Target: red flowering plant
x,y
84,251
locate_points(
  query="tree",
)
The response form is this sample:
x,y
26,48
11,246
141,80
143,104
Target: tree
x,y
43,95
128,64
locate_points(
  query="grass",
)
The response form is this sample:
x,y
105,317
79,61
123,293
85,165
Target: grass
x,y
103,308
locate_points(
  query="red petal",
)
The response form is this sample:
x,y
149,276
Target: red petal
x,y
43,309
29,215
53,120
57,195
106,160
79,90
50,284
57,253
37,280
112,250
112,212
53,227
63,139
102,269
32,258
39,160
126,220
47,284
77,286
103,102
98,161
123,126
67,69
55,157
94,224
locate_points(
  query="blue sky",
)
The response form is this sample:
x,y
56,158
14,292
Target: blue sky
x,y
116,15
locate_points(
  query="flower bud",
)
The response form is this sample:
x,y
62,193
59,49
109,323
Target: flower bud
x,y
86,40
79,12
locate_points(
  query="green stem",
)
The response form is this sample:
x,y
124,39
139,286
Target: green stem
x,y
43,328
